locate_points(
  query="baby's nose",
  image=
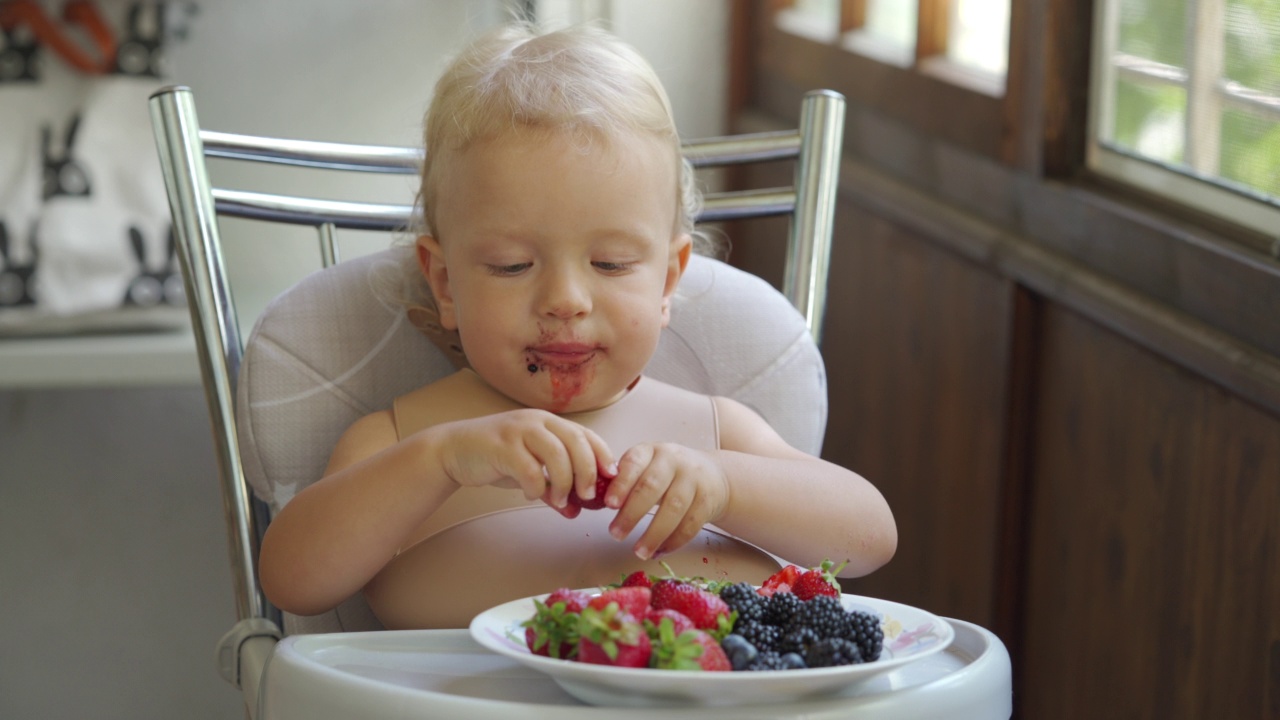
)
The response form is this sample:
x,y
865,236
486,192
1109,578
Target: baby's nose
x,y
565,295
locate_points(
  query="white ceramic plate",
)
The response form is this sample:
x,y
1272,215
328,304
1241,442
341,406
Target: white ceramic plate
x,y
910,634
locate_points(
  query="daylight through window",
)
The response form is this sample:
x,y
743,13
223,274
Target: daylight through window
x,y
1186,103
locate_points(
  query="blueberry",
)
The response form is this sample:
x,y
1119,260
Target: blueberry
x,y
793,661
740,652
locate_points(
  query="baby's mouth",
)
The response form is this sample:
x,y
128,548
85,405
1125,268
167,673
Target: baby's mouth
x,y
562,355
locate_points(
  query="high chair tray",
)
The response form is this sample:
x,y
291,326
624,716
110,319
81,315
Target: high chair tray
x,y
444,673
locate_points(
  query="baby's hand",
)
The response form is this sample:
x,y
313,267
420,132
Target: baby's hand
x,y
689,488
536,451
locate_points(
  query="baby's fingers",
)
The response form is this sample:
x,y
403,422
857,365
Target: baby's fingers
x,y
639,486
557,466
588,457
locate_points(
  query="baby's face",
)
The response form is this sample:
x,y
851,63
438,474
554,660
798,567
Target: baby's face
x,y
556,265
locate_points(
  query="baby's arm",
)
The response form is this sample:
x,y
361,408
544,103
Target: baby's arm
x,y
759,488
335,535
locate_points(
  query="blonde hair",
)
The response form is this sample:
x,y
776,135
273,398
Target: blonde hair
x,y
580,80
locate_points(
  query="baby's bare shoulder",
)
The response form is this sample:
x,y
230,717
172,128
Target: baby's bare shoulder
x,y
365,437
744,430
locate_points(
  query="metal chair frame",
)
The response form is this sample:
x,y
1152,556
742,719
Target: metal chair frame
x,y
195,204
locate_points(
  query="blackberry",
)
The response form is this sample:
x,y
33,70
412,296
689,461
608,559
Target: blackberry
x,y
764,637
798,641
743,598
768,661
830,652
825,616
781,607
865,630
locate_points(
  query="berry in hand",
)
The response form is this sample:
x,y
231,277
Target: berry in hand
x,y
595,503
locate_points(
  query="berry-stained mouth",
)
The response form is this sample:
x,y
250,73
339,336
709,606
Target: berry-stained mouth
x,y
562,356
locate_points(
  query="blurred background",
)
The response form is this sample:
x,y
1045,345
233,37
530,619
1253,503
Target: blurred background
x,y
1051,335
114,577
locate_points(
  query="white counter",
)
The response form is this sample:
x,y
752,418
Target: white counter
x,y
129,359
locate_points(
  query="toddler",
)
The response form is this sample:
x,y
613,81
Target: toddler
x,y
558,219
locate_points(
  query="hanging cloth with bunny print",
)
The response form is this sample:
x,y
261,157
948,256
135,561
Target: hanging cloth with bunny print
x,y
85,236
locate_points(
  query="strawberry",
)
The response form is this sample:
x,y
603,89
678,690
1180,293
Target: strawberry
x,y
781,581
681,623
664,590
704,608
612,636
574,600
638,578
595,503
686,650
713,657
553,629
818,581
634,600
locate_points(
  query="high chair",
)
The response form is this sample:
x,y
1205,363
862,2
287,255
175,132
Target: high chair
x,y
338,345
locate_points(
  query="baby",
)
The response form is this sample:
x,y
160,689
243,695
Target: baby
x,y
558,219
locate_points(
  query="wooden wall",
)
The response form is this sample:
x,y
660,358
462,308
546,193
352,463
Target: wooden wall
x,y
1080,454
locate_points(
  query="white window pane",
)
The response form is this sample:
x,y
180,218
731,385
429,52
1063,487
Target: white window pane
x,y
1253,44
893,21
816,19
979,35
1153,29
1150,120
1250,149
1186,103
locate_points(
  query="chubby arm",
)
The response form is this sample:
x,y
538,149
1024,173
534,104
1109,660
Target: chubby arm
x,y
759,488
337,534
797,506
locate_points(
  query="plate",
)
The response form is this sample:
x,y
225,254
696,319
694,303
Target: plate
x,y
910,634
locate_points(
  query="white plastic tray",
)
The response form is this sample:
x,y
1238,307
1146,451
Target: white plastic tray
x,y
444,673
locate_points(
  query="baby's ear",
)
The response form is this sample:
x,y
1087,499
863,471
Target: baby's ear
x,y
681,247
431,262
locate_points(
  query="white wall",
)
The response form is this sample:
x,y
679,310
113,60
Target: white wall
x,y
363,73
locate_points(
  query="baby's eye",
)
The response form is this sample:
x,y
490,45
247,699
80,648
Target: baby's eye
x,y
611,267
507,270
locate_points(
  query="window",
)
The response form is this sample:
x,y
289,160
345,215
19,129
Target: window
x,y
965,42
1186,103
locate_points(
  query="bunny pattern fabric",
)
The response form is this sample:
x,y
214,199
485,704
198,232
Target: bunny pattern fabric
x,y
85,236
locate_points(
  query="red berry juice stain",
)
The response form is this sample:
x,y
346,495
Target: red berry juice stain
x,y
568,382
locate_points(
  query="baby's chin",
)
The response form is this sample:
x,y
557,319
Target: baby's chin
x,y
558,396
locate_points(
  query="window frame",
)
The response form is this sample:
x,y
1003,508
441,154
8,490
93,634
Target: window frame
x,y
1195,185
931,93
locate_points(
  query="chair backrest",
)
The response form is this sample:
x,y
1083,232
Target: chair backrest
x,y
338,345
